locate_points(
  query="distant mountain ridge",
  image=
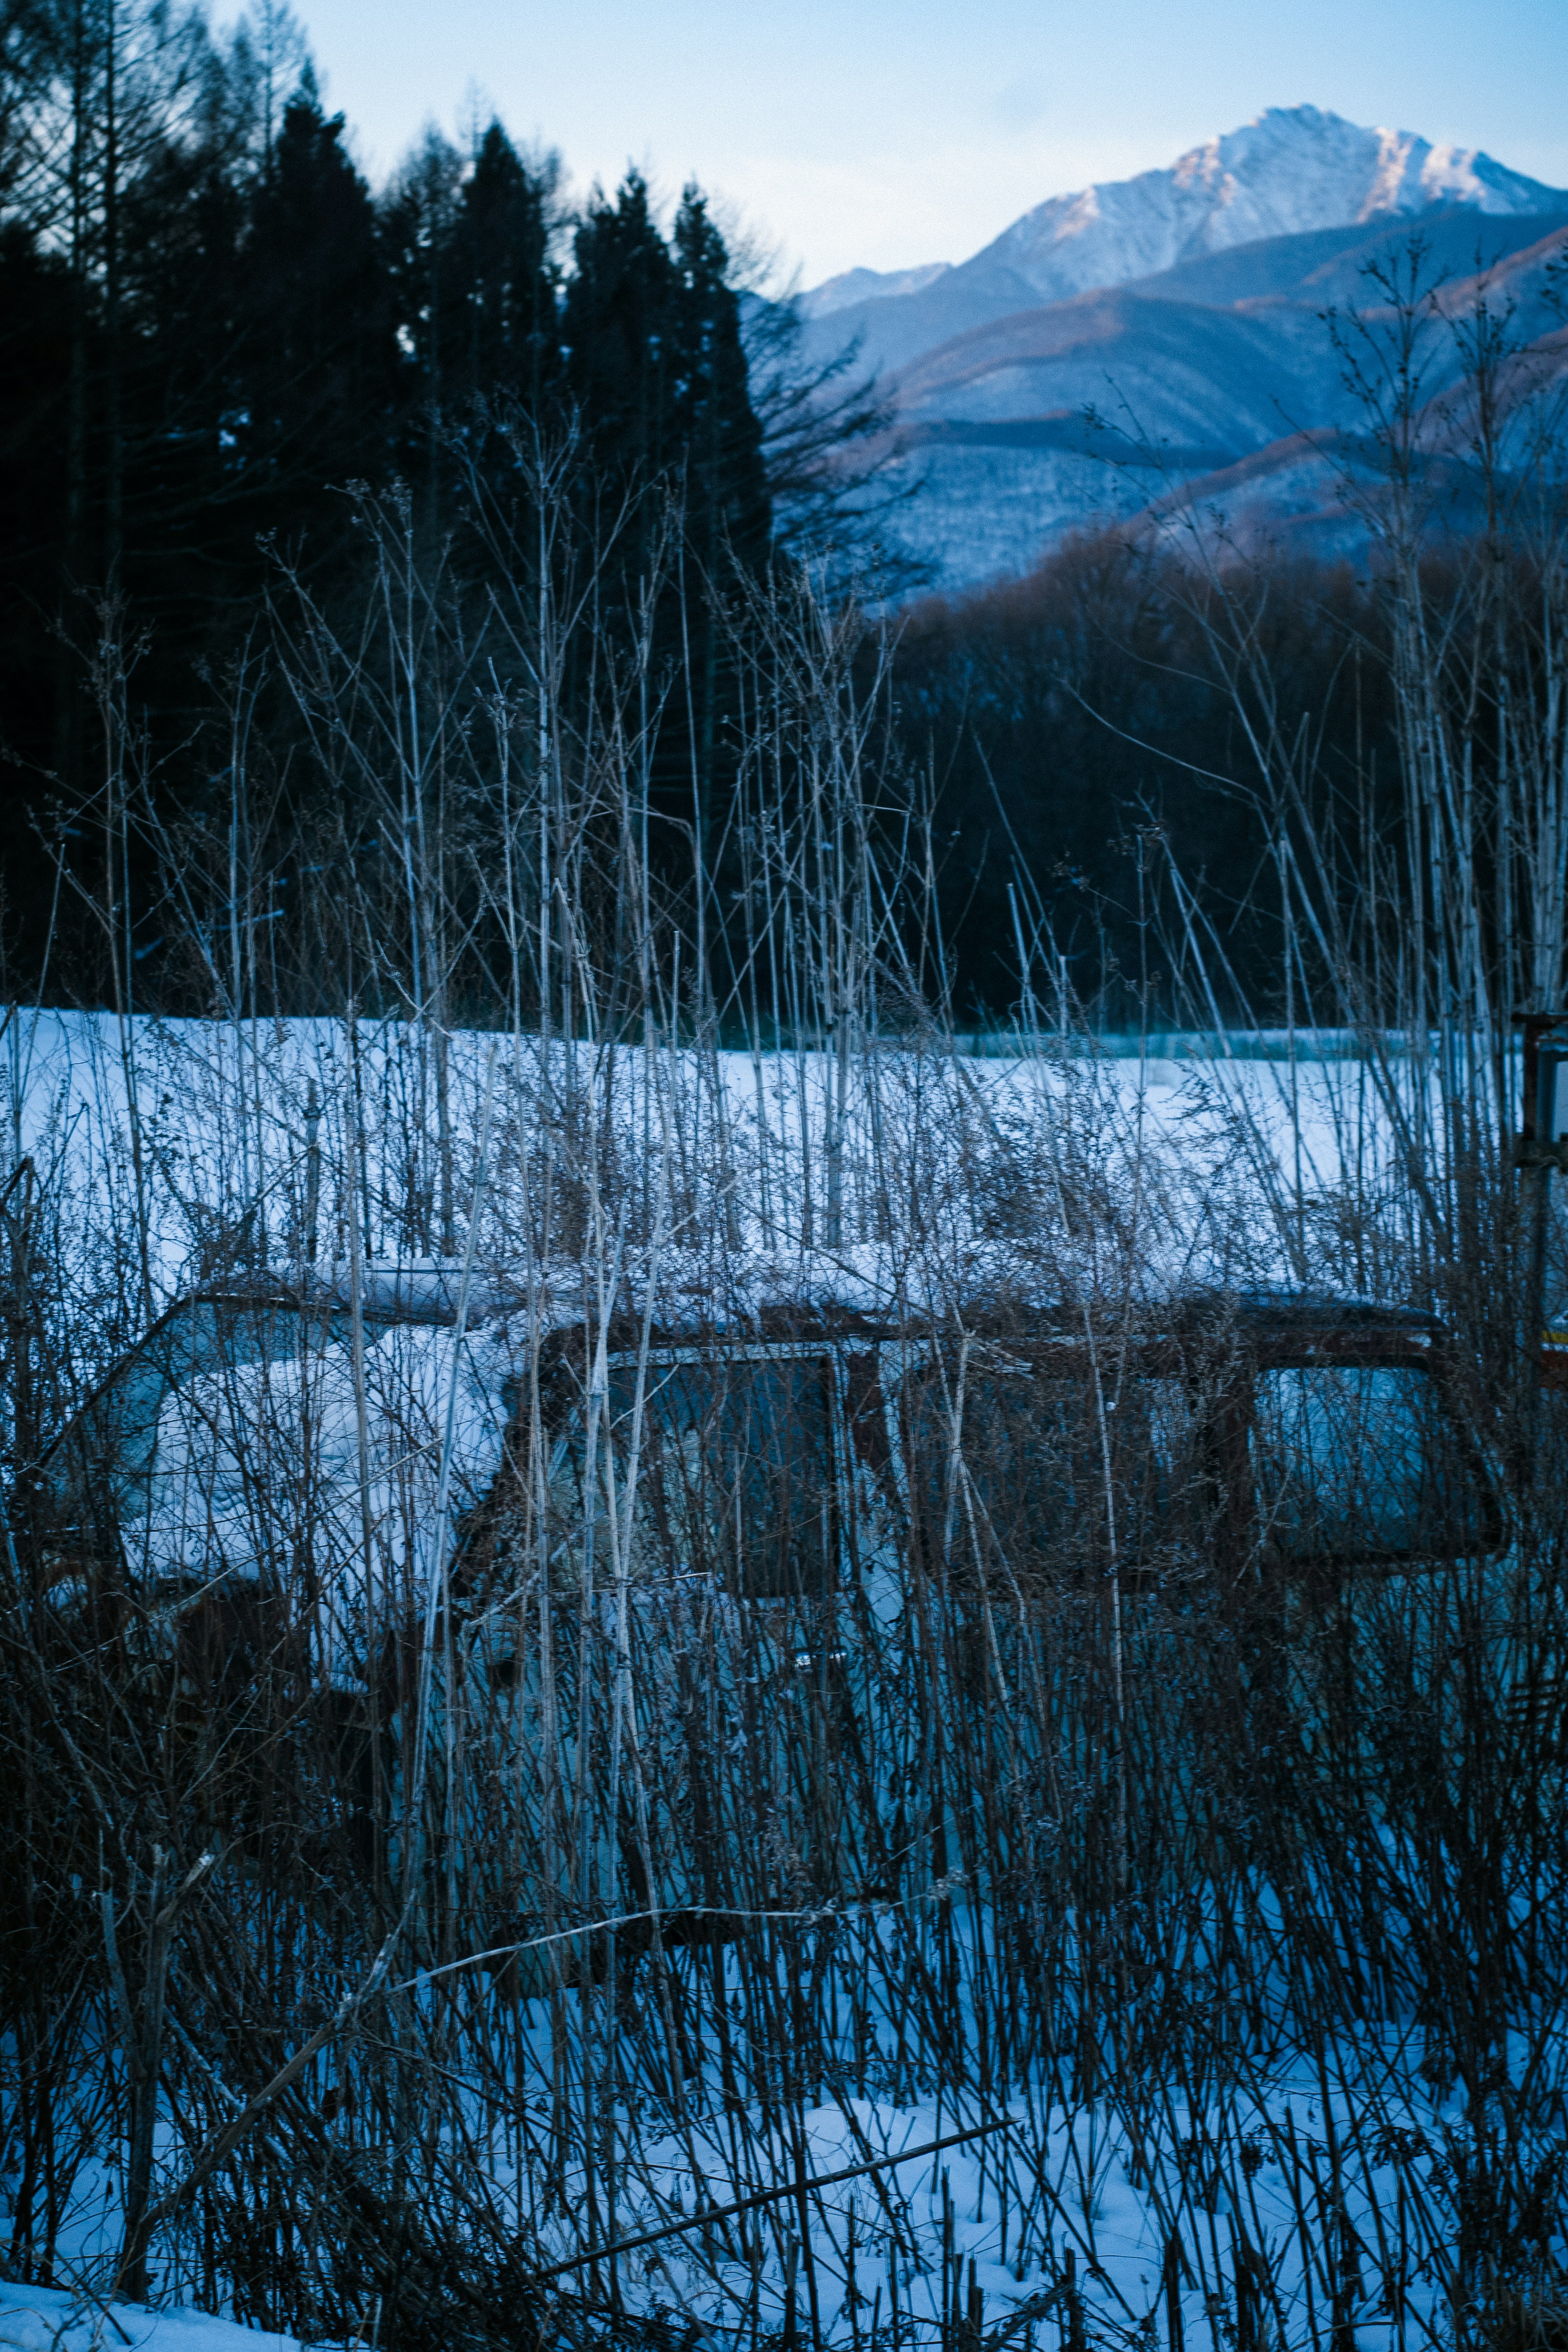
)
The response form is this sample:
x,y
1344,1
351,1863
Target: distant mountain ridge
x,y
852,286
1293,170
1186,304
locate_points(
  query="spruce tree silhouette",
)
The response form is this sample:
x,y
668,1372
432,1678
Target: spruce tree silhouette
x,y
720,433
620,328
321,382
500,288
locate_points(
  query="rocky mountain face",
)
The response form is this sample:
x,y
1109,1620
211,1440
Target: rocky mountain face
x,y
1184,308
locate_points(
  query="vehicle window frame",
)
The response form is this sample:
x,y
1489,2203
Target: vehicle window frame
x,y
1423,1357
830,1355
1146,1362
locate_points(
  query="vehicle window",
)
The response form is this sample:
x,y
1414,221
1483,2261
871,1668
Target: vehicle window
x,y
1361,1460
112,1444
993,1470
257,1464
736,1474
1019,1473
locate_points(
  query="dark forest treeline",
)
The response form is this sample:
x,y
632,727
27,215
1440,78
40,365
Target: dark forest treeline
x,y
1082,729
211,325
247,404
211,329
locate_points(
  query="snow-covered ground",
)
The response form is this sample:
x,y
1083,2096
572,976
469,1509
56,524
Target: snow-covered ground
x,y
1017,2205
52,2319
190,1127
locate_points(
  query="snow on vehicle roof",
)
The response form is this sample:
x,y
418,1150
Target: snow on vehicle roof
x,y
702,1292
870,1284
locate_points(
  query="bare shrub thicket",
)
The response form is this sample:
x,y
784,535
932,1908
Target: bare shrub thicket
x,y
407,1894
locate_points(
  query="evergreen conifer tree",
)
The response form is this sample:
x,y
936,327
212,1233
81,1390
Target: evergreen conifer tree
x,y
621,331
656,368
721,435
501,293
321,382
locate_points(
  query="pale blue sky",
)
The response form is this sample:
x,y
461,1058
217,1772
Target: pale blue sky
x,y
862,131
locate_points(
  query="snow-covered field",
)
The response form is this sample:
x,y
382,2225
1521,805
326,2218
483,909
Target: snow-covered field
x,y
53,2319
219,1129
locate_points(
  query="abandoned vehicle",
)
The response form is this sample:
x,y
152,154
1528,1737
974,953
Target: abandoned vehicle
x,y
746,1572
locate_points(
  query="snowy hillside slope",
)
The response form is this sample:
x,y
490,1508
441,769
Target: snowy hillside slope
x,y
1204,377
1215,371
1215,368
1299,494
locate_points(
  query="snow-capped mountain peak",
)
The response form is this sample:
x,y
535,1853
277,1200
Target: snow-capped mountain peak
x,y
1188,301
1294,168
